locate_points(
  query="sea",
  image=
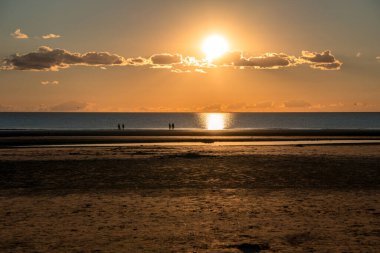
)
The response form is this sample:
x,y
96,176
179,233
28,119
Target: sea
x,y
211,121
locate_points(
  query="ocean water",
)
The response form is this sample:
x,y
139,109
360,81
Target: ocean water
x,y
212,121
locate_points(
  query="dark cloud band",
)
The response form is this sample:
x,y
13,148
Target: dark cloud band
x,y
46,58
323,61
166,59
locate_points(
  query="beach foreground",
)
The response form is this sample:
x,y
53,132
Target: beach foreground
x,y
182,198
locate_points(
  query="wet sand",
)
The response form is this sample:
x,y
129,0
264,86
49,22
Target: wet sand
x,y
193,132
204,198
64,137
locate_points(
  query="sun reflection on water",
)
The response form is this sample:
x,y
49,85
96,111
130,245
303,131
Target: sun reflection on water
x,y
215,121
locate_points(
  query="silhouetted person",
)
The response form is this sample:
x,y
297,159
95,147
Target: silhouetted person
x,y
172,126
123,126
118,126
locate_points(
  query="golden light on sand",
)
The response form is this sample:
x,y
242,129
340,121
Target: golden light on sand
x,y
215,121
214,46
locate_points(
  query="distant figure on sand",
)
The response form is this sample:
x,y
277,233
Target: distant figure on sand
x,y
123,126
172,126
118,126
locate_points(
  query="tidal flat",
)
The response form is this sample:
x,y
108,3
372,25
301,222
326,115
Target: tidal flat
x,y
190,198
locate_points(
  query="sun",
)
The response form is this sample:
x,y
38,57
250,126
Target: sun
x,y
214,46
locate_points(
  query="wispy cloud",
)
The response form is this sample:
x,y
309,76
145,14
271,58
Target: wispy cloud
x,y
236,107
181,71
296,104
49,82
19,35
6,108
71,106
200,71
51,36
265,106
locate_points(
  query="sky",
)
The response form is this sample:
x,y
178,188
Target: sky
x,y
149,55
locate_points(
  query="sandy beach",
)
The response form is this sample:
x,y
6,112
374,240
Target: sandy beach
x,y
190,198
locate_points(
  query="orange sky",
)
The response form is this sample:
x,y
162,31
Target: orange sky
x,y
147,56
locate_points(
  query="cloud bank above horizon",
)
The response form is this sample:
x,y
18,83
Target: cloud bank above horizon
x,y
263,106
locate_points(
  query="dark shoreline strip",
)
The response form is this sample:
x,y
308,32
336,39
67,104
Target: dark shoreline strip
x,y
194,132
75,137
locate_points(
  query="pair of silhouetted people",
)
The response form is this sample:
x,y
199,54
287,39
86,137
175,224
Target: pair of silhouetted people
x,y
120,126
171,126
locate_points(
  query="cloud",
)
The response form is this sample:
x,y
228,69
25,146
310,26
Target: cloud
x,y
161,66
211,108
257,107
267,61
323,61
324,57
166,59
102,58
237,107
339,104
71,106
296,104
51,36
6,108
181,71
138,61
378,58
19,35
46,58
183,68
49,82
243,107
200,71
327,66
193,61
363,105
261,105
360,104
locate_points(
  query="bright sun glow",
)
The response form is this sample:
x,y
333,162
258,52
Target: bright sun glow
x,y
214,46
215,121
